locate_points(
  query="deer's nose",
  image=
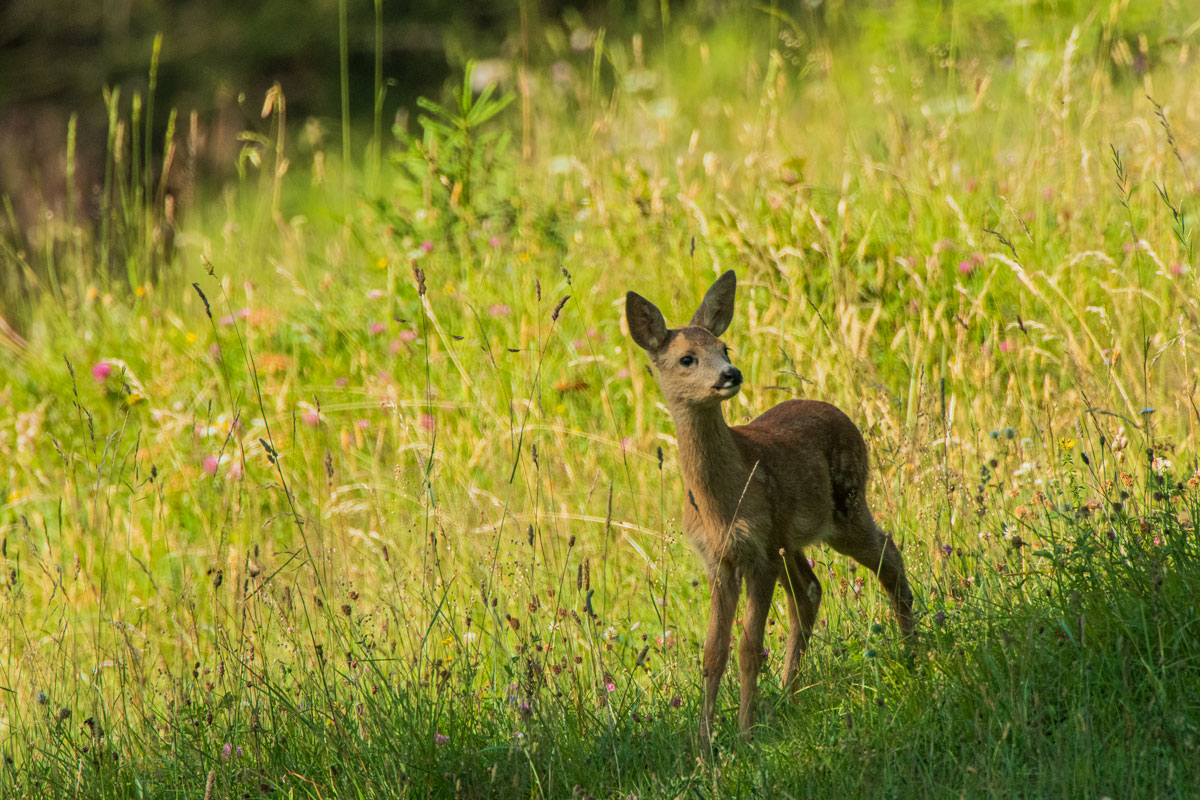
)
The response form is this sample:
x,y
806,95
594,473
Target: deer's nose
x,y
731,375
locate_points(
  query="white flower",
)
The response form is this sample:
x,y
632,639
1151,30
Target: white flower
x,y
1161,465
1025,468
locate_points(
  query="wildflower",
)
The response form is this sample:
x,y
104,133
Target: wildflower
x,y
377,328
965,267
440,738
140,291
676,702
1010,432
408,336
627,443
190,337
381,263
101,371
210,464
427,422
499,310
610,686
341,382
235,470
362,424
311,417
227,751
1066,443
41,699
947,550
1161,465
427,246
1005,346
494,241
374,294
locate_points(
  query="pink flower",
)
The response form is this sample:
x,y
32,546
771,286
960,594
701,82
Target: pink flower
x,y
394,347
227,751
494,241
610,687
210,466
374,294
1177,269
965,267
627,443
408,336
363,424
235,470
427,422
499,310
427,246
340,382
311,417
101,371
378,328
440,739
1005,346
1047,193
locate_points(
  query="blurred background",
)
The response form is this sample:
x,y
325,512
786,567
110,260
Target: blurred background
x,y
84,81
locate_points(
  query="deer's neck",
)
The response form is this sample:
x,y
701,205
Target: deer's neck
x,y
712,467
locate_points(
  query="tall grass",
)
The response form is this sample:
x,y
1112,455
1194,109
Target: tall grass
x,y
371,497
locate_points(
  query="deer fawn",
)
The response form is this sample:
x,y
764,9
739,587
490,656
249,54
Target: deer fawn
x,y
758,494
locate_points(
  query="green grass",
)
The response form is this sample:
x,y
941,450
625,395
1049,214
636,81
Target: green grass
x,y
308,529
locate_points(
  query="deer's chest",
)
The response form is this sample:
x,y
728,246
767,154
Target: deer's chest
x,y
735,527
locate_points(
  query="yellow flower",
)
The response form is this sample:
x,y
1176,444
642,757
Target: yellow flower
x,y
1066,444
191,337
449,640
140,291
381,263
560,409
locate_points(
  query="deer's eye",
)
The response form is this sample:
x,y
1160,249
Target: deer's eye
x,y
687,361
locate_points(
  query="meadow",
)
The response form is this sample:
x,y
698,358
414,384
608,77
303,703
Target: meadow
x,y
352,483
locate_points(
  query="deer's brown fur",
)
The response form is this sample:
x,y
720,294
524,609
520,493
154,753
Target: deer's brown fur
x,y
757,494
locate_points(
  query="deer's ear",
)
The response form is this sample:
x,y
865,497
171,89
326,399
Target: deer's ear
x,y
716,310
646,323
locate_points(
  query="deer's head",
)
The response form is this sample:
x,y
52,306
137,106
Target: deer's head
x,y
691,363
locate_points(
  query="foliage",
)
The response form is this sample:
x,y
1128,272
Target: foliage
x,y
370,496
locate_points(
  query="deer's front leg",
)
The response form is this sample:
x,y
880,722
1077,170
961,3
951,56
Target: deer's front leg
x,y
723,585
760,587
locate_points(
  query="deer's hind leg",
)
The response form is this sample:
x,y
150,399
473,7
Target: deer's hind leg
x,y
860,538
804,598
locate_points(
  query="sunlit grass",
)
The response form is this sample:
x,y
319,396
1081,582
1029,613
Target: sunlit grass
x,y
374,508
